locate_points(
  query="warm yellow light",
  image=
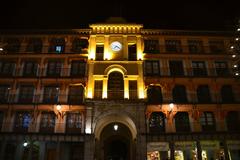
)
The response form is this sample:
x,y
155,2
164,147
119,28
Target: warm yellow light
x,y
233,56
59,107
126,93
89,95
104,96
91,55
107,56
141,93
140,56
171,105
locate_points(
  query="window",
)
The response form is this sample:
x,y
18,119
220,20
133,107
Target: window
x,y
30,68
221,68
26,93
22,121
47,122
195,46
7,68
176,68
99,52
132,52
98,84
216,46
34,45
151,68
151,46
133,89
79,44
75,95
74,122
57,45
182,122
227,94
199,68
78,68
207,121
54,68
13,45
157,122
173,46
232,119
179,94
51,94
203,94
59,49
4,93
115,85
154,94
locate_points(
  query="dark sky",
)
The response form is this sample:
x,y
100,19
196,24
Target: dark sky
x,y
168,14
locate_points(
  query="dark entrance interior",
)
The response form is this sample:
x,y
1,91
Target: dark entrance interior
x,y
116,144
116,149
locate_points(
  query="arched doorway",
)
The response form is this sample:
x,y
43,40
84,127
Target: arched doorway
x,y
116,142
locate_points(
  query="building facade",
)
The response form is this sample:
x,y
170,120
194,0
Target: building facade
x,y
118,91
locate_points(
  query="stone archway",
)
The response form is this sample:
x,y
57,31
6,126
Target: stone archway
x,y
115,144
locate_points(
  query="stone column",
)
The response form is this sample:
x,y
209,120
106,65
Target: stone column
x,y
106,47
126,88
90,86
125,47
139,48
92,47
140,82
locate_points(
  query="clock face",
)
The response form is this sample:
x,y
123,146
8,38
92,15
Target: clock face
x,y
116,46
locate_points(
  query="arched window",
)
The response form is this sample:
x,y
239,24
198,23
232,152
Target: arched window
x,y
182,122
157,122
154,94
75,95
115,86
227,94
232,120
207,121
203,94
179,94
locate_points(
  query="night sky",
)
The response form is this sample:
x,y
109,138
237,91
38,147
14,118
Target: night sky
x,y
168,14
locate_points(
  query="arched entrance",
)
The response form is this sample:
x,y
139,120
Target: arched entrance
x,y
116,142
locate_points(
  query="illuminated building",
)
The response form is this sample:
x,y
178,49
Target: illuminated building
x,y
118,91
